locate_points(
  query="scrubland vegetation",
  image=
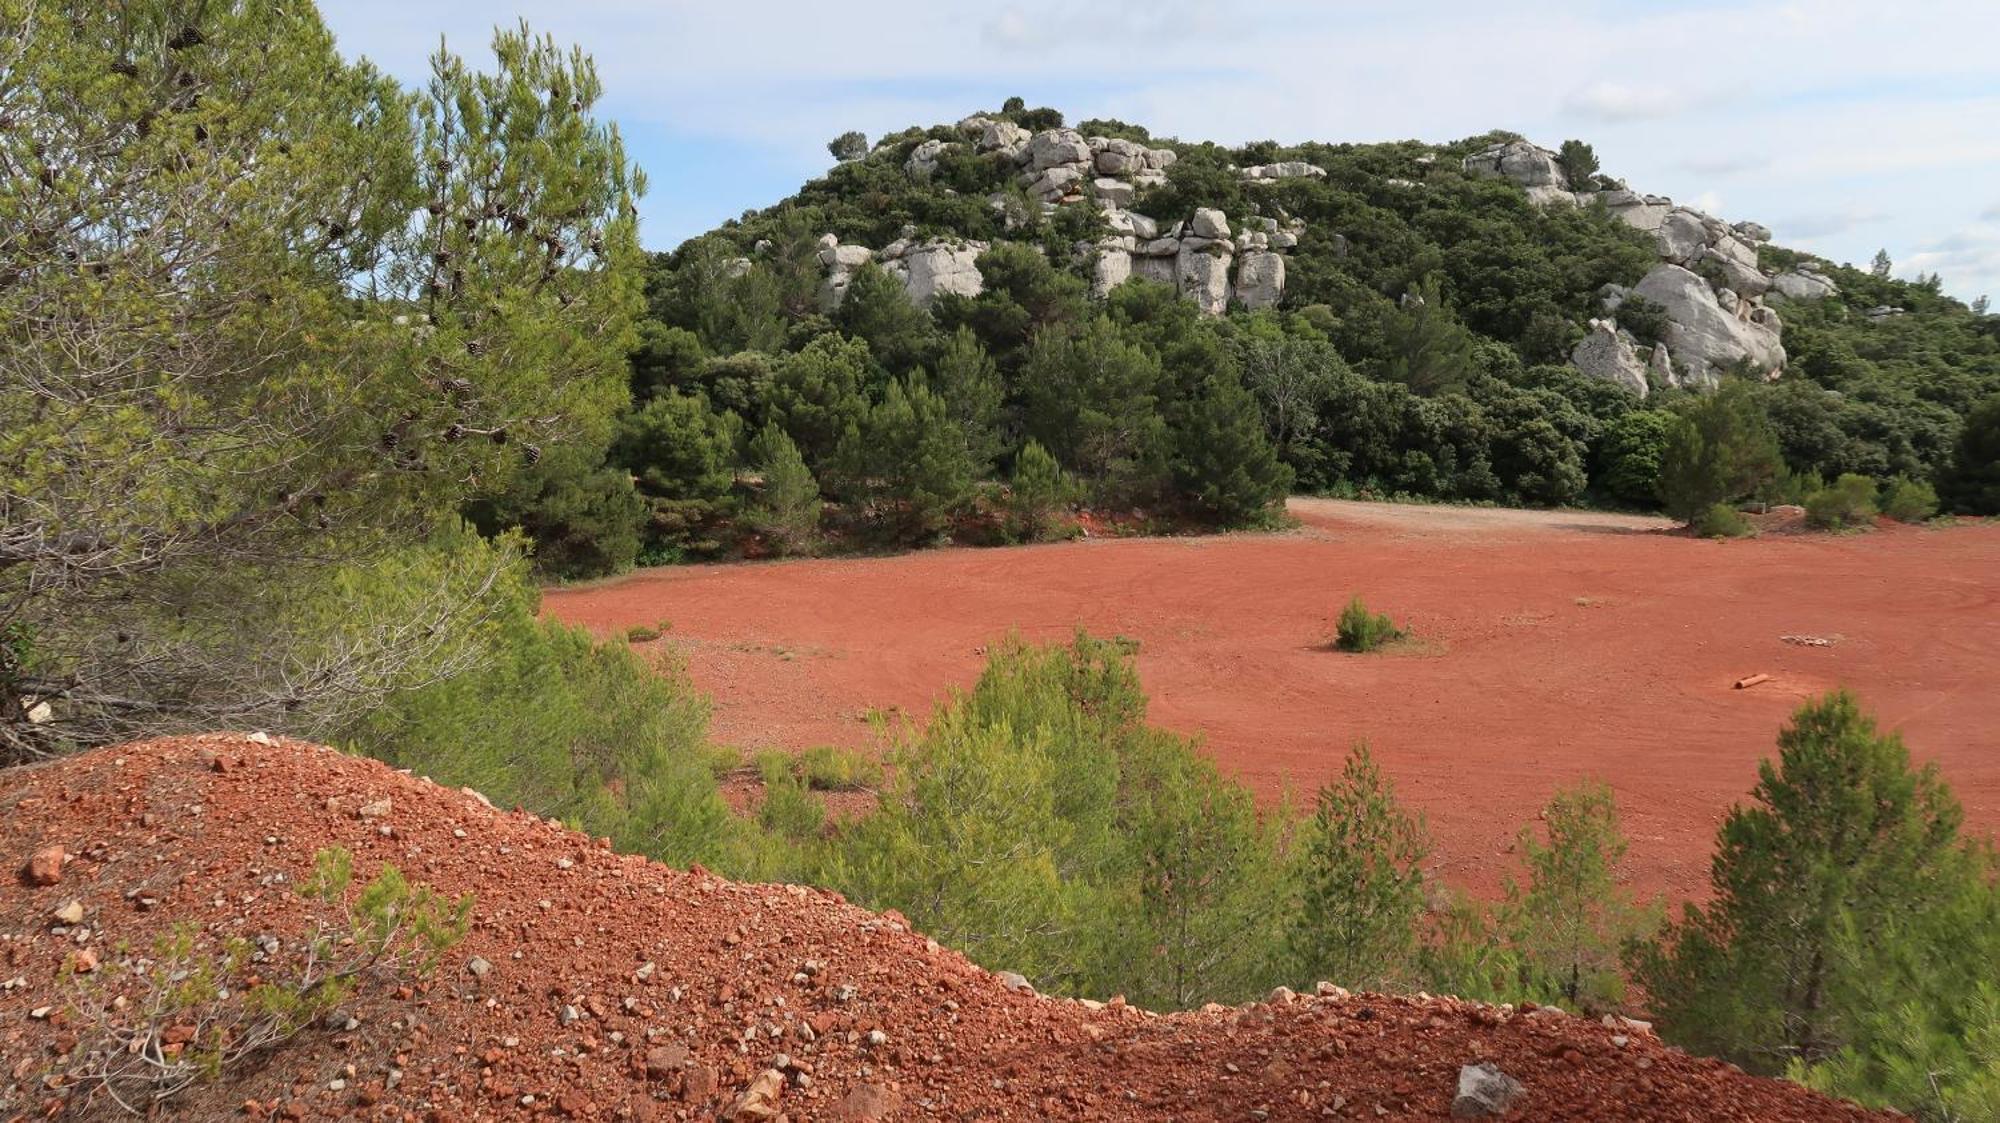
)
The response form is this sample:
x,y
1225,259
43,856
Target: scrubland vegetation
x,y
309,486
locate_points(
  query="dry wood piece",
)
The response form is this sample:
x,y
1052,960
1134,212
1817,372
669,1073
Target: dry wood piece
x,y
1747,683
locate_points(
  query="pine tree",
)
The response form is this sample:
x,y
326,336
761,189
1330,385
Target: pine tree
x,y
877,310
1361,882
1225,465
818,394
1971,484
1571,922
965,376
1720,449
1092,399
1039,489
788,510
1812,884
912,456
1578,162
1428,349
1881,266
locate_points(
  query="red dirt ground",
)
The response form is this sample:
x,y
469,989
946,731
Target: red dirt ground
x,y
617,988
1553,647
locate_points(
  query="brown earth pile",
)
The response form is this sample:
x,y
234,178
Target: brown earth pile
x,y
610,986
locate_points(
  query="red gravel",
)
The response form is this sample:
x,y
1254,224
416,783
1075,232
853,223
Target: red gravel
x,y
1554,647
214,829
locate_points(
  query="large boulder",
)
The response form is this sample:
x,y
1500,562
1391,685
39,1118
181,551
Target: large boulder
x,y
1055,148
1529,165
1112,268
1682,237
1209,223
1002,136
937,267
1202,274
1645,213
1607,353
1115,192
1800,284
923,159
1260,279
1705,338
1285,169
1117,156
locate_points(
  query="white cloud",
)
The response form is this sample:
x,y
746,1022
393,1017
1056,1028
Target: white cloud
x,y
1821,224
1615,101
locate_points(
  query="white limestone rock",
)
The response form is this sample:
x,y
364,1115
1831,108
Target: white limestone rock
x,y
1607,353
1799,284
1116,192
1705,337
1055,148
1284,169
938,267
1002,136
923,160
1202,274
1260,279
1209,223
1112,268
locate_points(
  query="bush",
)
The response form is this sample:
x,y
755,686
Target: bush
x,y
1909,501
1849,501
828,768
1628,456
643,633
240,1007
1360,630
1722,521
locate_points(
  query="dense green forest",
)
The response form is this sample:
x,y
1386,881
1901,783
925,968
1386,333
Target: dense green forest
x,y
283,445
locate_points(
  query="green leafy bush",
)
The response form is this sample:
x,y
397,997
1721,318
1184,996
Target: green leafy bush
x,y
1721,520
1360,882
1849,501
1359,630
830,768
1909,501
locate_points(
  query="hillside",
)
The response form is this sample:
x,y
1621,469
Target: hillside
x,y
609,986
1185,332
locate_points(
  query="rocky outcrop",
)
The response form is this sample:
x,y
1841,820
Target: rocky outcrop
x,y
925,269
1201,271
923,160
1802,283
1706,337
1284,169
1260,279
1529,165
1608,353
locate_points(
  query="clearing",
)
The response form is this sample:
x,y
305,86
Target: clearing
x,y
1553,647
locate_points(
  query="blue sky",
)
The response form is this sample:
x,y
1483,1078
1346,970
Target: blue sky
x,y
1844,126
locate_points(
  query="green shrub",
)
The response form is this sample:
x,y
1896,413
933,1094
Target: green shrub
x,y
1848,501
1360,630
1909,501
1571,922
830,768
646,633
1360,882
246,1000
1721,521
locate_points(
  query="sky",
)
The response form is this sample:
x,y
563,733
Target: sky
x,y
1846,126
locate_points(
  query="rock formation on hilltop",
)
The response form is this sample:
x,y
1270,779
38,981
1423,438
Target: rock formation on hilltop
x,y
595,985
1718,299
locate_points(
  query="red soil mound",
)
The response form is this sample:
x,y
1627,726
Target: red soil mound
x,y
1553,647
619,988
